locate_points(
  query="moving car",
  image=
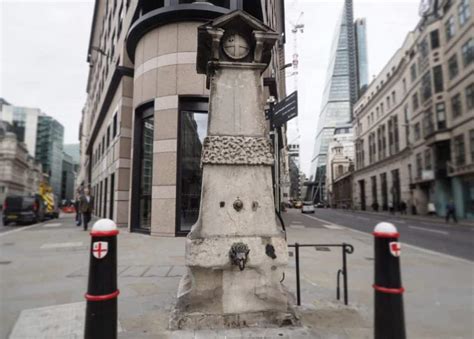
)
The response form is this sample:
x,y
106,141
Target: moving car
x,y
297,204
23,209
308,207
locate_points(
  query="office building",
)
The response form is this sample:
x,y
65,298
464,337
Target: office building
x,y
414,124
49,150
146,111
24,121
347,73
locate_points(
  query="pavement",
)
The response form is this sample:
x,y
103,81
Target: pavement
x,y
44,269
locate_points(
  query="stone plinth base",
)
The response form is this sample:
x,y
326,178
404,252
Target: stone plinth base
x,y
180,320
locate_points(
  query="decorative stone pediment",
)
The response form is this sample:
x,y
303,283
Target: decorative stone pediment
x,y
236,37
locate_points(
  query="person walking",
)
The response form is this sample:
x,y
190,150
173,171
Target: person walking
x,y
451,211
77,202
86,207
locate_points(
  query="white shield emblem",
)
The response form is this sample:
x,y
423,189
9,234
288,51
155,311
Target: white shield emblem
x,y
394,248
99,249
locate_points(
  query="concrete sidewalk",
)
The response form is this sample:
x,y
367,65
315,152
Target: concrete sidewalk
x,y
44,278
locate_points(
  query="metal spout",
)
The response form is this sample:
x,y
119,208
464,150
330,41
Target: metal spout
x,y
239,254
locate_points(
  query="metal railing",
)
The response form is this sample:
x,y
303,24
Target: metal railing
x,y
346,249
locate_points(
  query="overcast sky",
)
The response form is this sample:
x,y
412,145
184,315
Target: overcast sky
x,y
43,47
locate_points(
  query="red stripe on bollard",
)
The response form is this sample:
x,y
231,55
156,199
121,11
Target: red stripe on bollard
x,y
104,297
104,233
386,235
388,290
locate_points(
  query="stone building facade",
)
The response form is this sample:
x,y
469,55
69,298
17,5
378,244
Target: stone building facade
x,y
146,113
20,174
415,123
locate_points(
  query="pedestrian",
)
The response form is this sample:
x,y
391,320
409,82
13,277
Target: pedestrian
x,y
390,208
451,211
86,206
77,208
403,207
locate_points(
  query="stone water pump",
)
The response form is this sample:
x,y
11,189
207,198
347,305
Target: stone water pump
x,y
235,253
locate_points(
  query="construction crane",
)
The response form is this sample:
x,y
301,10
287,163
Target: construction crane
x,y
297,27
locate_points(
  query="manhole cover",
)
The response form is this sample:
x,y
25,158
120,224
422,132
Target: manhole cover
x,y
322,249
5,262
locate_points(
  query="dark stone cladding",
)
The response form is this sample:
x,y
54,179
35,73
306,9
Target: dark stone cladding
x,y
120,71
166,15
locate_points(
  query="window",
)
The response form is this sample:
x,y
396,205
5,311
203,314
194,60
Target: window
x,y
470,96
407,125
456,105
428,124
114,133
463,12
388,102
193,129
459,151
426,86
413,72
434,36
471,136
441,115
449,28
390,137
468,52
419,165
424,48
381,107
394,98
428,164
415,102
438,79
453,68
108,136
103,145
395,134
417,131
404,82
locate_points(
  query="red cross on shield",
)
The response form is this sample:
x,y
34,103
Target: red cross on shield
x,y
394,248
99,249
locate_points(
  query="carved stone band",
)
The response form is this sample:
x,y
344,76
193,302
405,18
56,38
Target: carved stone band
x,y
237,150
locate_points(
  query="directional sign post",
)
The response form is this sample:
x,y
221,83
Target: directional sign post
x,y
285,110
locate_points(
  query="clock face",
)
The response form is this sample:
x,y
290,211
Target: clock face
x,y
424,7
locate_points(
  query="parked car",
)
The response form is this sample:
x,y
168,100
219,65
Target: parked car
x,y
308,207
319,205
23,209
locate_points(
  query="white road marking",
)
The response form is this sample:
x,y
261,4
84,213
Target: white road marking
x,y
61,245
397,221
428,230
424,250
20,229
334,227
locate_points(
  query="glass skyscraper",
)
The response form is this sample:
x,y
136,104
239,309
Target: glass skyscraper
x,y
347,73
49,150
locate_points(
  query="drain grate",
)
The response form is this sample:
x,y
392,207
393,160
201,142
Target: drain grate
x,y
322,249
5,262
8,244
369,258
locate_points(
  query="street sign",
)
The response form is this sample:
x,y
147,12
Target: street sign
x,y
285,110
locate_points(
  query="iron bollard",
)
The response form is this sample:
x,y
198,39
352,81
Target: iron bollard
x,y
102,292
388,310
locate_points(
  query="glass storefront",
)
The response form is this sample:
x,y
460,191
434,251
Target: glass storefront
x,y
193,129
146,172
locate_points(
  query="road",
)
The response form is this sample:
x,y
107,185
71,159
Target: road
x,y
450,239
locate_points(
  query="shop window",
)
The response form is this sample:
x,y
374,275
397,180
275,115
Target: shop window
x,y
142,178
192,131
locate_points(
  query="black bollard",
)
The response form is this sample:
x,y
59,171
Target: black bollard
x,y
388,310
102,292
